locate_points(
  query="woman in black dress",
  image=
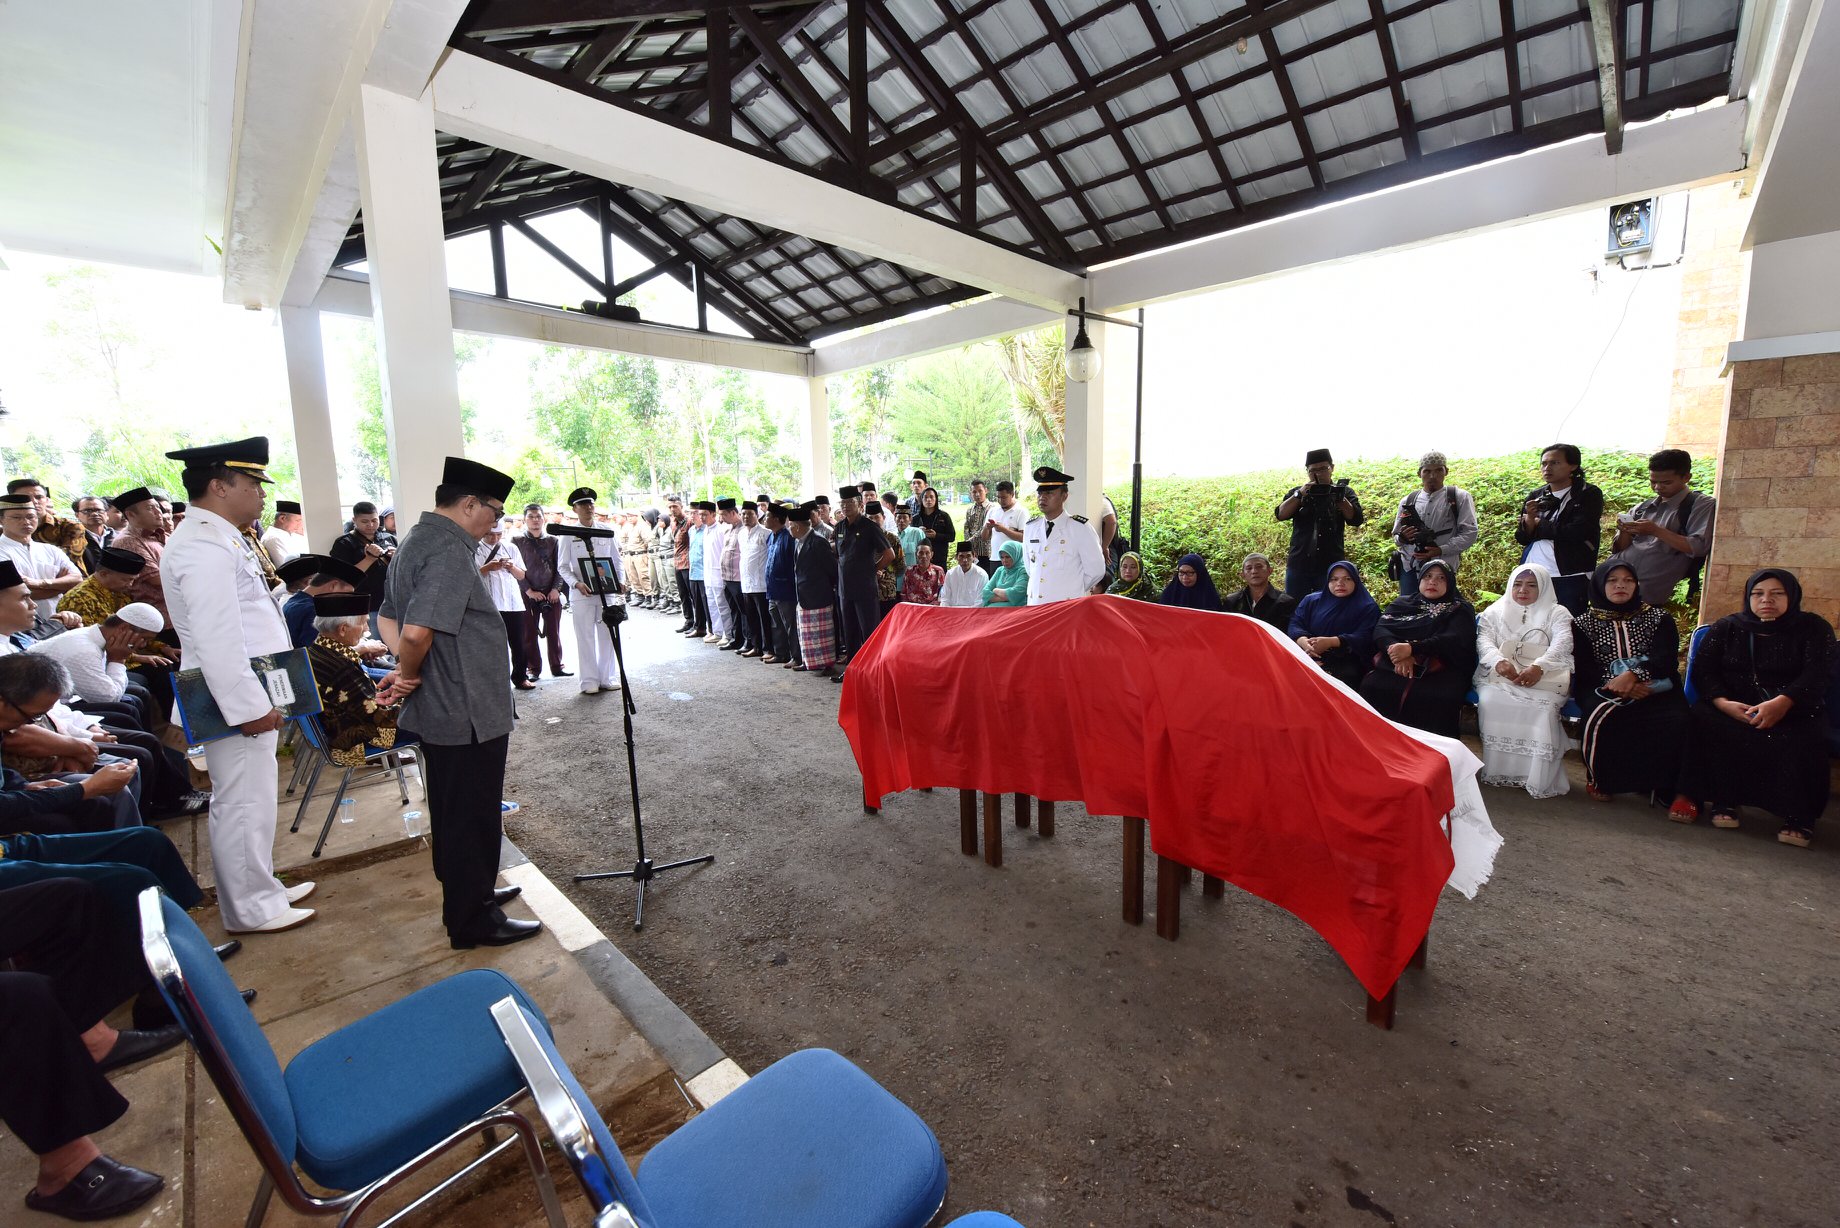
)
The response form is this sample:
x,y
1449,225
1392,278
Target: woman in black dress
x,y
1427,652
1626,679
1759,729
935,525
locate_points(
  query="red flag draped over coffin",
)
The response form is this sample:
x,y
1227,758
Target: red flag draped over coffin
x,y
1247,762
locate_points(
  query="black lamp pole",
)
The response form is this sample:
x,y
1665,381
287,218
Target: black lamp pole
x,y
1137,446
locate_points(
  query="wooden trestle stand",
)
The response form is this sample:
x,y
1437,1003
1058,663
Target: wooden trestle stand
x,y
1171,876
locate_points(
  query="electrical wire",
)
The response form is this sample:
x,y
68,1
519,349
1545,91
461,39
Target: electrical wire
x,y
1559,431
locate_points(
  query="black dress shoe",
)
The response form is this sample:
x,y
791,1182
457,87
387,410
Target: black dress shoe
x,y
501,934
504,895
104,1189
132,1046
563,673
226,950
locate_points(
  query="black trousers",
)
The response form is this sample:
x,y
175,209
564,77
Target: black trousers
x,y
514,636
543,618
683,593
165,776
737,614
786,631
759,622
699,606
861,616
120,864
465,786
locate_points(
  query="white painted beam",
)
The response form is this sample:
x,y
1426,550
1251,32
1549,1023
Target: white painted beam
x,y
491,317
314,448
297,83
503,107
1798,181
1664,156
816,439
943,330
406,250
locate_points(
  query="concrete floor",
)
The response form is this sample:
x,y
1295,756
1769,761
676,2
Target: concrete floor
x,y
377,937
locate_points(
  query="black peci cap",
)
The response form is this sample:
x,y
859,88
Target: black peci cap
x,y
480,481
9,574
286,507
725,505
1318,456
341,605
114,558
128,498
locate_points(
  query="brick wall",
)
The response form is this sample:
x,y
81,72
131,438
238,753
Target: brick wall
x,y
1712,270
1779,483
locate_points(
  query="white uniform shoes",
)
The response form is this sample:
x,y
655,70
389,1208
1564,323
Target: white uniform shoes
x,y
300,891
286,920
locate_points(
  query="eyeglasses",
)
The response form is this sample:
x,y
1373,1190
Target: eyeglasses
x,y
29,716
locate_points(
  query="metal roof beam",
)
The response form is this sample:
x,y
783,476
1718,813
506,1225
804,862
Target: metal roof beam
x,y
512,109
1607,46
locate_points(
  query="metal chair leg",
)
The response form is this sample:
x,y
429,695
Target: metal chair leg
x,y
312,784
333,813
300,769
258,1210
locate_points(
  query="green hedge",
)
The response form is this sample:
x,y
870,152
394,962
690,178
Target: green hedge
x,y
1223,519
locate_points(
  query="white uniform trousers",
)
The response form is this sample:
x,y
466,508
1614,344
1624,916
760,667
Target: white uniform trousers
x,y
242,818
594,663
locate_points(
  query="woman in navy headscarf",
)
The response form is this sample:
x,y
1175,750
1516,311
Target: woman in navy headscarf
x,y
1336,626
1193,588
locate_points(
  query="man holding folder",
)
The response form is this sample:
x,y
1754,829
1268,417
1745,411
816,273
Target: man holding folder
x,y
219,601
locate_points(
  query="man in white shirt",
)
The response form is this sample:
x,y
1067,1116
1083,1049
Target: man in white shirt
x,y
1004,523
499,568
964,586
758,618
595,667
48,571
218,600
284,539
96,657
1062,550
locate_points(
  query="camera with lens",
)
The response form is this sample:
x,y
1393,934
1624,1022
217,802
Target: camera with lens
x,y
1326,492
1410,519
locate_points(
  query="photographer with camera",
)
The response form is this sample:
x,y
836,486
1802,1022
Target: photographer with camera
x,y
1434,522
1319,511
1666,539
1561,525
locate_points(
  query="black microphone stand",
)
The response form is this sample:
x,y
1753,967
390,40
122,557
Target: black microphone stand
x,y
643,870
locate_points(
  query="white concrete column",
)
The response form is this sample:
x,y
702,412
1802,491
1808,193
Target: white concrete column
x,y
817,437
410,312
313,447
1084,456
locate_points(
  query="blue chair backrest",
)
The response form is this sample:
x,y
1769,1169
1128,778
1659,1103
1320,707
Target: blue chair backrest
x,y
211,1010
309,729
1686,684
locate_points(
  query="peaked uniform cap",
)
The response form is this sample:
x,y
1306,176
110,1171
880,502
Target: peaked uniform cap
x,y
248,456
583,494
1048,475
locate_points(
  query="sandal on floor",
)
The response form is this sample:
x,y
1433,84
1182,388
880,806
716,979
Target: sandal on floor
x,y
1725,819
1684,810
1800,839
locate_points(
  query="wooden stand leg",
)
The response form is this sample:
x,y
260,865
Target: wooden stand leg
x,y
1188,874
1168,898
1418,956
1133,871
1213,888
993,829
1022,810
967,822
1380,1010
1044,815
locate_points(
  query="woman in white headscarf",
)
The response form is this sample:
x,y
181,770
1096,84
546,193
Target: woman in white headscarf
x,y
1524,649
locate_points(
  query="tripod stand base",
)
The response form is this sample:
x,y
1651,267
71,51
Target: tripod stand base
x,y
643,872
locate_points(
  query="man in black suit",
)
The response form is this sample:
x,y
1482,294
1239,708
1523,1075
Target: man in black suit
x,y
1561,525
814,570
862,551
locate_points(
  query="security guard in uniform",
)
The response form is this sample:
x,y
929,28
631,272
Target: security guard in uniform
x,y
1062,552
219,600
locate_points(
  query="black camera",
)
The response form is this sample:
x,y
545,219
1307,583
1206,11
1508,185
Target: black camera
x,y
1331,493
1410,519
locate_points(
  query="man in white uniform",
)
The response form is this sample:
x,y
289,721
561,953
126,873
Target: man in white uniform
x,y
595,666
1062,552
284,539
219,603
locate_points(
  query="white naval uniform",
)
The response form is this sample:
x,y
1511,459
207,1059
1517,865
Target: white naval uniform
x,y
221,608
1063,563
594,663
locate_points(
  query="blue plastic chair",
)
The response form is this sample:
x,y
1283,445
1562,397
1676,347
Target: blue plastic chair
x,y
364,1107
1686,683
809,1142
394,758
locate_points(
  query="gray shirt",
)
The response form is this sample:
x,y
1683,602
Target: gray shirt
x,y
434,583
1658,566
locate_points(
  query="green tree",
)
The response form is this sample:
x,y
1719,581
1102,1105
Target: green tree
x,y
861,439
370,451
951,412
1034,367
